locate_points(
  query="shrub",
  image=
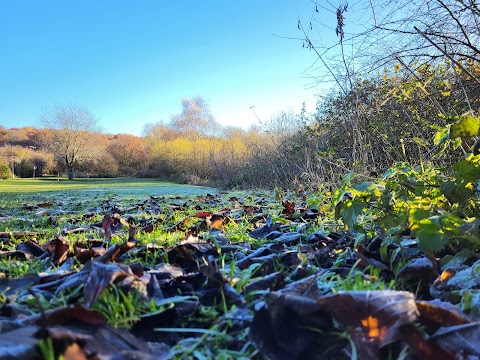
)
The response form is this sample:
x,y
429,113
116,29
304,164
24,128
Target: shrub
x,y
5,172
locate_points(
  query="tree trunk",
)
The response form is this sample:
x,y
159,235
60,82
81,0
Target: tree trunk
x,y
70,172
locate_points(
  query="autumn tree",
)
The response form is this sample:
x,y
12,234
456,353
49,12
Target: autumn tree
x,y
129,152
68,139
196,119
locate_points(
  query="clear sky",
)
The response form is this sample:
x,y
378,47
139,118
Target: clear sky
x,y
131,62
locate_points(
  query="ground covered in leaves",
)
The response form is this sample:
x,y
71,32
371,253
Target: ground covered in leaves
x,y
225,276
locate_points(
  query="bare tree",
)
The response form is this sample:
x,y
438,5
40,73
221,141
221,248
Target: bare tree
x,y
375,34
195,118
68,138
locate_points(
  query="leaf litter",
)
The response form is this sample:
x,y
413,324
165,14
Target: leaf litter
x,y
218,276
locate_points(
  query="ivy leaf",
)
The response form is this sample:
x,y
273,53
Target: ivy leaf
x,y
467,127
351,210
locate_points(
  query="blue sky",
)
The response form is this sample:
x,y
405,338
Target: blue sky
x,y
132,62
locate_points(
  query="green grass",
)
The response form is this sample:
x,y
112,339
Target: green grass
x,y
18,192
119,186
66,201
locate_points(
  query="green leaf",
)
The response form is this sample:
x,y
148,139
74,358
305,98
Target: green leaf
x,y
456,193
391,221
441,136
467,127
456,143
430,235
338,196
351,209
368,188
389,173
420,210
470,301
471,226
420,142
468,169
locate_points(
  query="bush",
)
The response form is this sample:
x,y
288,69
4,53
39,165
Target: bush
x,y
5,172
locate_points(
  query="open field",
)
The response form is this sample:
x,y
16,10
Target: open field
x,y
119,186
18,192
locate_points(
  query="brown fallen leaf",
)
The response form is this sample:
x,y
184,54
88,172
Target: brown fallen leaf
x,y
30,249
462,340
59,248
101,276
115,251
12,348
424,348
421,268
107,224
440,314
379,314
215,221
262,231
288,208
290,327
132,231
74,352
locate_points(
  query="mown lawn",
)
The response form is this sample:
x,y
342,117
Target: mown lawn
x,y
120,186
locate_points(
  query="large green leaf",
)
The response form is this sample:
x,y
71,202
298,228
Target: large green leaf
x,y
368,188
430,235
468,169
457,192
351,209
467,127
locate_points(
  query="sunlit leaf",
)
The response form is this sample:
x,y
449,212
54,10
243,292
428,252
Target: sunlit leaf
x,y
467,127
368,188
441,136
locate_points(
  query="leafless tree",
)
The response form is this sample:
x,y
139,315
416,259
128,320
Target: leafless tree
x,y
195,119
68,137
374,34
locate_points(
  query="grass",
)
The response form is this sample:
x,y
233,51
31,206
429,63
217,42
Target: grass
x,y
74,197
119,186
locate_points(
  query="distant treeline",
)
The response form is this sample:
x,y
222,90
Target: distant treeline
x,y
381,121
